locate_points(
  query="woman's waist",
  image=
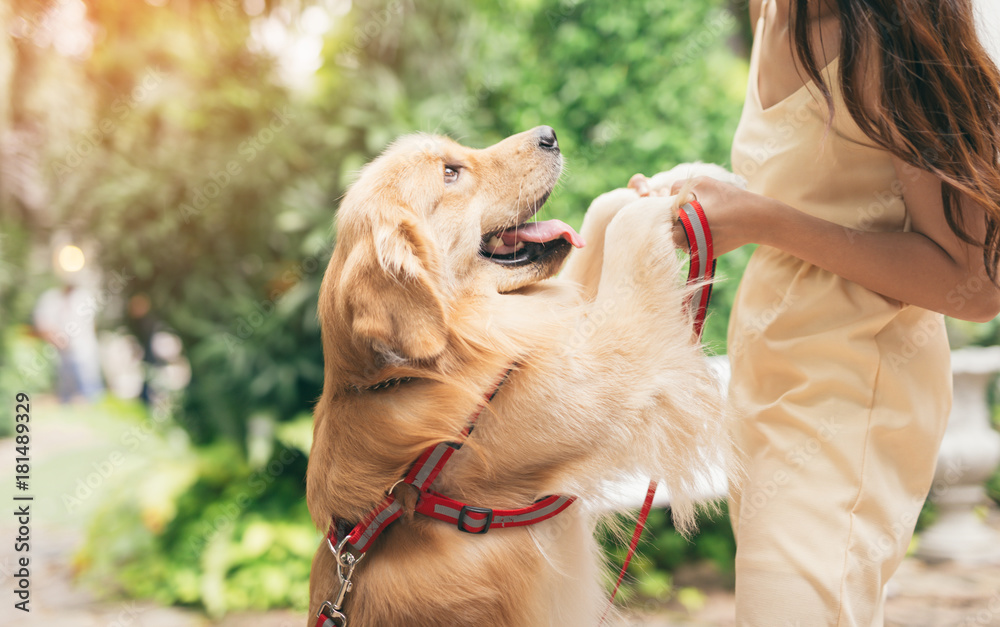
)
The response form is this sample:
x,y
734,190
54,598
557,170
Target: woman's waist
x,y
783,298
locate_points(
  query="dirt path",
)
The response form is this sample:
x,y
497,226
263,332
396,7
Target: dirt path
x,y
65,446
920,595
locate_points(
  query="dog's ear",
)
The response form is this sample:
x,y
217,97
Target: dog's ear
x,y
392,298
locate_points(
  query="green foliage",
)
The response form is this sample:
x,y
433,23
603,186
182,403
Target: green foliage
x,y
202,194
23,365
663,549
964,333
201,527
28,366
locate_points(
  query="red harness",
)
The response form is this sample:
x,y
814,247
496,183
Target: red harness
x,y
479,520
467,518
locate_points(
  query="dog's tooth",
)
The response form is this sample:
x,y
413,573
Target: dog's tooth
x,y
494,243
519,246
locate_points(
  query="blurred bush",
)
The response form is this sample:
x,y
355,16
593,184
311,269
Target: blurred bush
x,y
203,527
663,550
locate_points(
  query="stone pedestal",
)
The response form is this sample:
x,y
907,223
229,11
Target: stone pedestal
x,y
970,453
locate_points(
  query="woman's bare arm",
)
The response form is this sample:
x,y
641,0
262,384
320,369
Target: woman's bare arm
x,y
928,266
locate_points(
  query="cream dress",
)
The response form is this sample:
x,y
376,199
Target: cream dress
x,y
845,392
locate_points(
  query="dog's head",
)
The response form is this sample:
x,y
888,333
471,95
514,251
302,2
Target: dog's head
x,y
431,222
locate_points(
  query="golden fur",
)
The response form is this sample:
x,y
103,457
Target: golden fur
x,y
609,381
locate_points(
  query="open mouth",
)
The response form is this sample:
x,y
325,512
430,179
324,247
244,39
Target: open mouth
x,y
528,243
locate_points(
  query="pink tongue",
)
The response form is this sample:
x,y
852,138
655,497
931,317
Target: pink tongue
x,y
541,232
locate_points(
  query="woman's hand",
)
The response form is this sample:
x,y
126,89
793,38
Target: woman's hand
x,y
734,215
927,266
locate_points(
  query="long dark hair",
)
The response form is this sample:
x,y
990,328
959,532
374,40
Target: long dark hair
x,y
938,105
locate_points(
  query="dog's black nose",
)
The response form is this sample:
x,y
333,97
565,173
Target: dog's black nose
x,y
547,138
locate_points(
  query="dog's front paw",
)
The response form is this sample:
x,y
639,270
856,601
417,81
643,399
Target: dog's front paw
x,y
641,235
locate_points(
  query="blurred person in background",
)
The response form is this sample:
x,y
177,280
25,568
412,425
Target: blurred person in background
x,y
64,317
144,325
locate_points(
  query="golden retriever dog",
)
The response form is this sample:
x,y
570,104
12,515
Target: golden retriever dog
x,y
438,283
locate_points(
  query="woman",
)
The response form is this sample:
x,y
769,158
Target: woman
x,y
869,139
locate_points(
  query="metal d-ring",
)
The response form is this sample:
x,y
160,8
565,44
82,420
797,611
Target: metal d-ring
x,y
346,559
393,486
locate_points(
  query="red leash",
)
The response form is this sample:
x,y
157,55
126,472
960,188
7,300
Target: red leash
x,y
700,273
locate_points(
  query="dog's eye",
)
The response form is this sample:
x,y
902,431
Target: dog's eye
x,y
450,174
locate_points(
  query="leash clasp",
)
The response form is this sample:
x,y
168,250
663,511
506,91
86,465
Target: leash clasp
x,y
328,616
346,563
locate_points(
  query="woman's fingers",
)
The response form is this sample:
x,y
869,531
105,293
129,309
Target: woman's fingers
x,y
640,184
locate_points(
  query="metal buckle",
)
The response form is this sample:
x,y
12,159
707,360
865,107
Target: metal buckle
x,y
475,510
